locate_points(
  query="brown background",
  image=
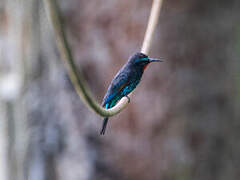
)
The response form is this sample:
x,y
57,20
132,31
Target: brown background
x,y
183,119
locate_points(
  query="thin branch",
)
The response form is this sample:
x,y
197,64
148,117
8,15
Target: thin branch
x,y
75,75
152,23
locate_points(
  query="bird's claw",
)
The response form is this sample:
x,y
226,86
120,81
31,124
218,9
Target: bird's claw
x,y
128,99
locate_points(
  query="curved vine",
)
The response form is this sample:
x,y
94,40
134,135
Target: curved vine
x,y
75,74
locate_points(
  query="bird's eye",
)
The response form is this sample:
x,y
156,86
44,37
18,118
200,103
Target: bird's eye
x,y
144,59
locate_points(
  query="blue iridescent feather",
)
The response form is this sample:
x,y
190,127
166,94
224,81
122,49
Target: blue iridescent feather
x,y
125,82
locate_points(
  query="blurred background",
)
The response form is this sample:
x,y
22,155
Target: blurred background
x,y
183,122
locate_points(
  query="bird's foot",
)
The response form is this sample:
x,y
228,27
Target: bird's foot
x,y
128,98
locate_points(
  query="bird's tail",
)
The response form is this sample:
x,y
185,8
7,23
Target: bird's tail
x,y
105,121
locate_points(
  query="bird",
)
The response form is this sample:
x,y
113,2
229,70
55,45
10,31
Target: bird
x,y
125,81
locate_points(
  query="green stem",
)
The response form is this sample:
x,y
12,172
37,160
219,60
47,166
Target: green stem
x,y
75,75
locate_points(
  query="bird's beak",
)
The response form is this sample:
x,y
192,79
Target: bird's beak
x,y
155,60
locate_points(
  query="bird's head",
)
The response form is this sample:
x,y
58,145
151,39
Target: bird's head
x,y
141,60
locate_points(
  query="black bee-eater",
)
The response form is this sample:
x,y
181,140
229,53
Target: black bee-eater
x,y
125,81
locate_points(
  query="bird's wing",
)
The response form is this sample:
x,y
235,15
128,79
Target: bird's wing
x,y
120,81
